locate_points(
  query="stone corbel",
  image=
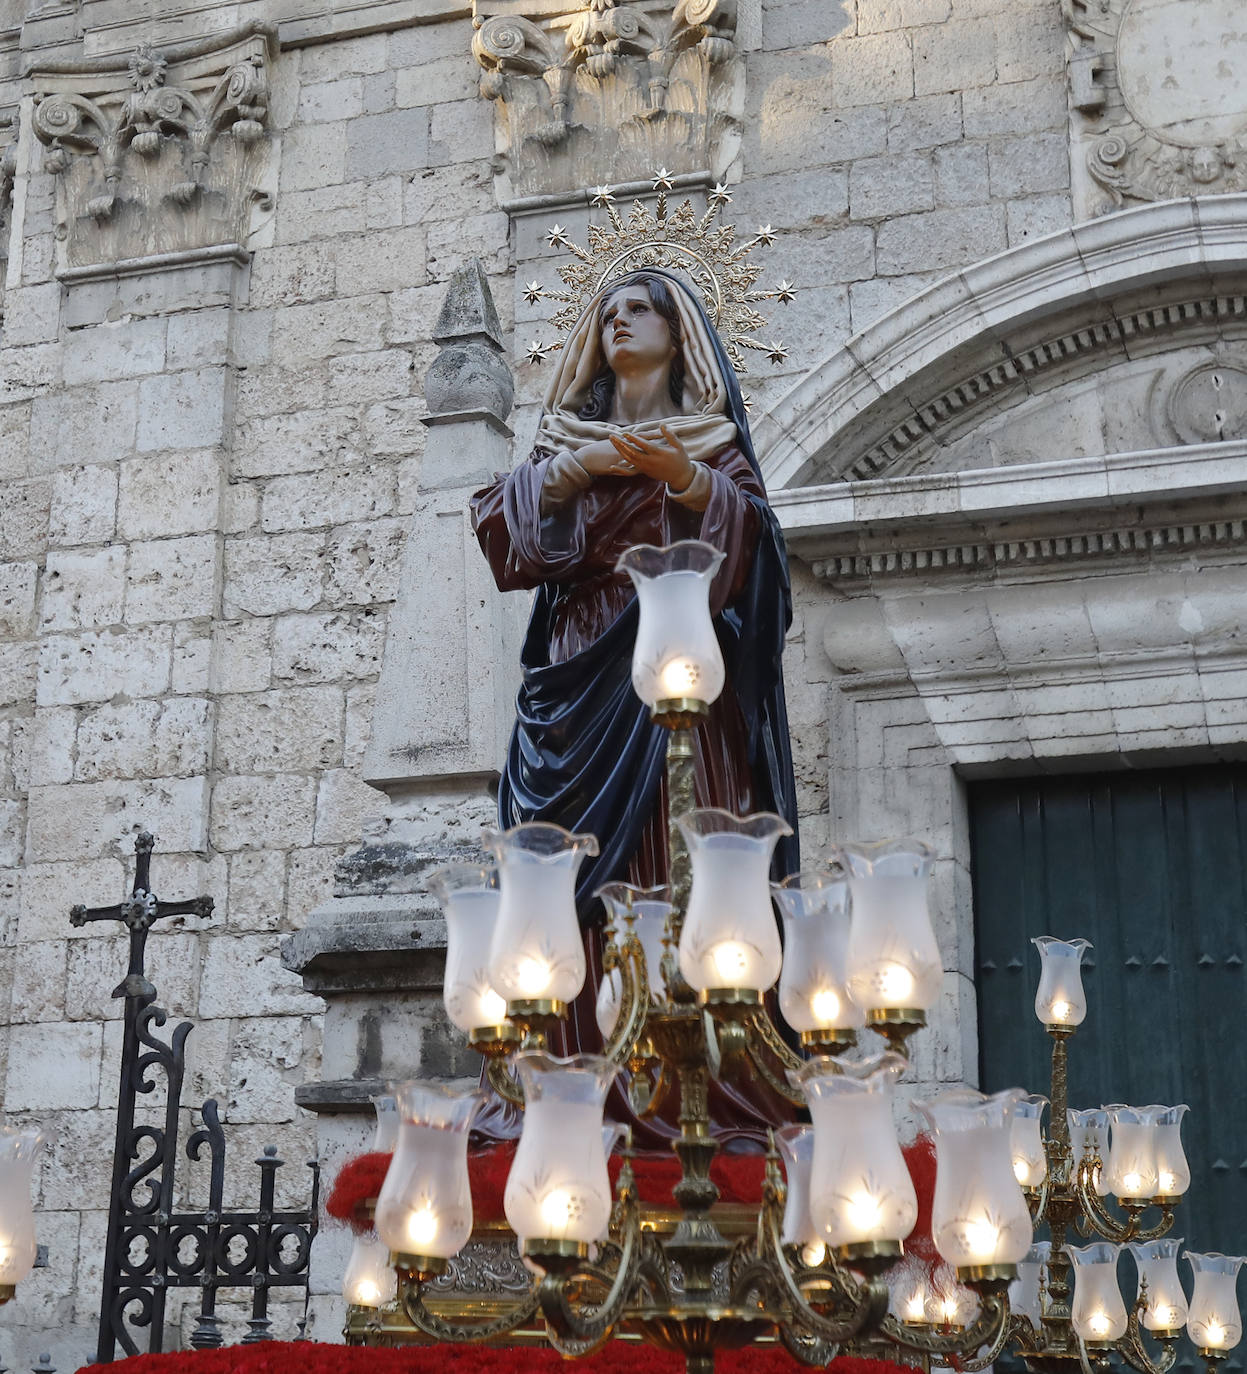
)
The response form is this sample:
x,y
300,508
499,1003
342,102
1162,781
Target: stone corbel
x,y
589,80
152,130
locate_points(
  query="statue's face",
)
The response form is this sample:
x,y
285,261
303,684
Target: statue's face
x,y
635,337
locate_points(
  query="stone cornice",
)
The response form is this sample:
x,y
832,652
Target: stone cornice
x,y
966,346
1124,506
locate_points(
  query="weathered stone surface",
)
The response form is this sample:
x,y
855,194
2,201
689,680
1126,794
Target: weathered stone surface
x,y
83,507
91,820
257,812
99,427
18,582
170,738
244,973
268,575
102,664
83,591
165,495
24,518
313,500
282,732
328,647
52,1065
182,410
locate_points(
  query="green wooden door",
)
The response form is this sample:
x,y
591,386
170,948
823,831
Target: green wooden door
x,y
1152,868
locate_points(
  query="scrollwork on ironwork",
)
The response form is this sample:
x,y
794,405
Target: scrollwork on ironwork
x,y
150,1247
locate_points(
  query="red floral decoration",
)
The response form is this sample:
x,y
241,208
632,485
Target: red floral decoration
x,y
306,1357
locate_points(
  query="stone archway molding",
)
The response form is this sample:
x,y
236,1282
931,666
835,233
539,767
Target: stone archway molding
x,y
988,332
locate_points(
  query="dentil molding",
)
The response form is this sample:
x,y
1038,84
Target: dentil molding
x,y
1159,87
157,150
600,90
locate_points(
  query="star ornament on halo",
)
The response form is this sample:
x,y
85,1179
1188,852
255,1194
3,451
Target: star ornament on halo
x,y
699,247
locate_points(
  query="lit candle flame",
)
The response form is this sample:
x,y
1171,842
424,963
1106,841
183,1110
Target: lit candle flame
x,y
679,677
493,1008
556,1209
1099,1325
896,982
367,1293
1214,1334
1061,1012
731,962
825,1006
813,1253
533,976
865,1212
422,1227
983,1237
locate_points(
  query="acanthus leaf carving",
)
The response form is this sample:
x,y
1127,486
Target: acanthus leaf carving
x,y
590,84
196,110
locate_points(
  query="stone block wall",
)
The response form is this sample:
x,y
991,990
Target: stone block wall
x,y
207,487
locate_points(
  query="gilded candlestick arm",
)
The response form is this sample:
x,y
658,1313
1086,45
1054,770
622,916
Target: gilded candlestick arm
x,y
819,1262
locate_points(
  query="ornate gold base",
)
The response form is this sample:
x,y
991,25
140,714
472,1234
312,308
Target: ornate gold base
x,y
554,1255
730,1002
679,713
1166,1200
870,1256
987,1275
828,1041
531,1009
493,1041
424,1266
896,1024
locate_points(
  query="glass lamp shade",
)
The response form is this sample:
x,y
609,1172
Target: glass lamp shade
x,y
1157,1263
1030,1164
814,981
385,1134
649,908
860,1189
979,1215
1025,1290
558,1188
894,962
537,953
796,1145
1088,1132
1173,1173
370,1280
1131,1170
676,656
424,1207
1213,1322
730,938
470,900
1098,1312
19,1147
1059,999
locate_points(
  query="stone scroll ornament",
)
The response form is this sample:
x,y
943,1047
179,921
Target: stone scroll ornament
x,y
696,246
594,83
154,150
1161,86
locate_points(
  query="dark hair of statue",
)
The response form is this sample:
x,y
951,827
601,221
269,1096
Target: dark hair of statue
x,y
597,404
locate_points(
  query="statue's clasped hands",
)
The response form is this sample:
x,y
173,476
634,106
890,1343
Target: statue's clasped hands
x,y
655,453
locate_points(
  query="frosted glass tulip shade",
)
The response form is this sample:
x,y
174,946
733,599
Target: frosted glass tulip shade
x,y
894,961
796,1145
1173,1173
424,1208
1213,1322
369,1280
19,1148
1024,1291
1131,1171
1030,1164
385,1134
649,909
470,900
1059,999
862,1199
537,953
814,982
729,946
676,658
1157,1263
558,1196
1088,1139
1098,1313
979,1218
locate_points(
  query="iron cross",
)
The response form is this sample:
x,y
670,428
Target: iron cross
x,y
139,912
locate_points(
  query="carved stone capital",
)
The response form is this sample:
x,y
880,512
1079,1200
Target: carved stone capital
x,y
157,150
1159,100
586,84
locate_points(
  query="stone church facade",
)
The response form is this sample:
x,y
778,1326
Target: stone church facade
x,y
250,370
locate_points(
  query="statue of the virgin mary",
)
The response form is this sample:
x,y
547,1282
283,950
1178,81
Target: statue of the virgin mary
x,y
643,440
